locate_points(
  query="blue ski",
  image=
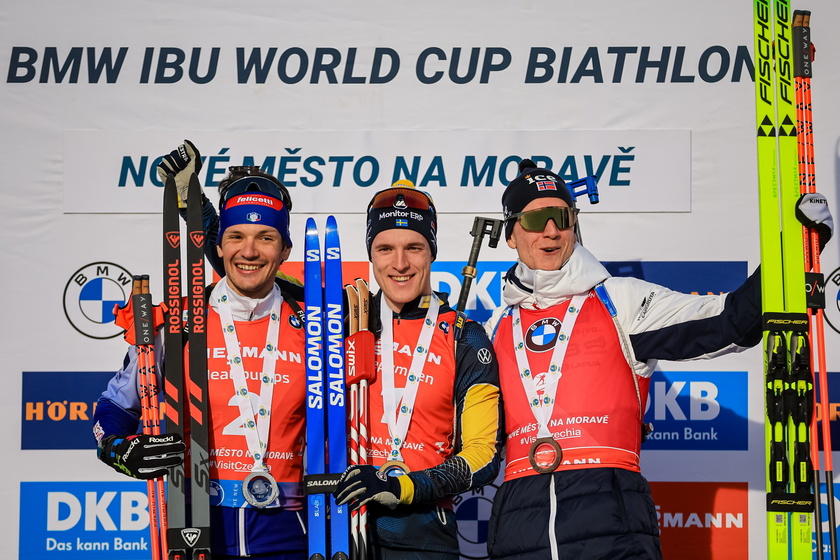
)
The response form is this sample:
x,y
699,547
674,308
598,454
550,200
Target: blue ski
x,y
315,432
336,406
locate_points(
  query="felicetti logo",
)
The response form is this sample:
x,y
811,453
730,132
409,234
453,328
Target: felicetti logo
x,y
90,295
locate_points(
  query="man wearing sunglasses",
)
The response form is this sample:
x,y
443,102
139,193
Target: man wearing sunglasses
x,y
434,404
255,345
576,349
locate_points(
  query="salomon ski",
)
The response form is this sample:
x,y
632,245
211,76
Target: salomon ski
x,y
315,428
326,413
336,404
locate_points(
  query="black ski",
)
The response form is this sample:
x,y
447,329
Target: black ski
x,y
189,528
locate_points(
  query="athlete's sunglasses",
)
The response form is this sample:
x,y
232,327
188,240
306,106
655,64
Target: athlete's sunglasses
x,y
536,220
402,198
253,183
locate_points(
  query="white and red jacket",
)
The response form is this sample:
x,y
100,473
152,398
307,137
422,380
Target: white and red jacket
x,y
596,503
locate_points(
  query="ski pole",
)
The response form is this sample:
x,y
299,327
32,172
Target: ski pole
x,y
368,365
589,187
803,71
144,332
481,227
352,329
360,369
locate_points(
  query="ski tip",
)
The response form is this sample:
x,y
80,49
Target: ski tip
x,y
331,221
310,224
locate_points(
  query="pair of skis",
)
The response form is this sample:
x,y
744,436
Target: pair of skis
x,y
326,412
177,532
789,381
188,533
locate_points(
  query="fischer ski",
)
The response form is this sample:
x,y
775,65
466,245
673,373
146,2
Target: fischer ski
x,y
188,533
326,413
788,386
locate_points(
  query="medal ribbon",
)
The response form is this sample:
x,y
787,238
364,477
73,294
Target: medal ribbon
x,y
399,420
257,422
542,407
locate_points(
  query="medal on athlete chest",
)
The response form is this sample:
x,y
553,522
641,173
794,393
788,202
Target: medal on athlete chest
x,y
259,488
395,468
545,454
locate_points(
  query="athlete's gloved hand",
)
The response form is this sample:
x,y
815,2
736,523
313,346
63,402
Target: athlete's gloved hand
x,y
813,212
181,162
142,456
361,484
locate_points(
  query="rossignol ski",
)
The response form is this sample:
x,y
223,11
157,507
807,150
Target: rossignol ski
x,y
189,527
326,417
788,385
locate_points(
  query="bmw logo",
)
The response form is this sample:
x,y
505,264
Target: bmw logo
x,y
90,296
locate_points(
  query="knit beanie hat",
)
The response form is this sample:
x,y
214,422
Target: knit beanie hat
x,y
254,200
402,207
532,183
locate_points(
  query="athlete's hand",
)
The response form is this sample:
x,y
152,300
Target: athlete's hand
x,y
142,456
181,162
361,484
813,212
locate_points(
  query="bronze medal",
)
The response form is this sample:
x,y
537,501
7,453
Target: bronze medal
x,y
395,468
545,455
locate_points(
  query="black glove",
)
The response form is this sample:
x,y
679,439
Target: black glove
x,y
813,212
362,483
142,456
181,162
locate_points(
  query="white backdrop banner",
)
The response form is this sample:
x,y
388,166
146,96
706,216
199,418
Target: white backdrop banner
x,y
339,99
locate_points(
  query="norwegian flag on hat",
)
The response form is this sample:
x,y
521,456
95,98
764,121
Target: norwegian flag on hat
x,y
546,186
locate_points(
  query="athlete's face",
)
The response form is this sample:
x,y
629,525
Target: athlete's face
x,y
402,266
548,249
252,253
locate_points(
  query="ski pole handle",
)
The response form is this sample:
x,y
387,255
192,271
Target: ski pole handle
x,y
481,227
588,186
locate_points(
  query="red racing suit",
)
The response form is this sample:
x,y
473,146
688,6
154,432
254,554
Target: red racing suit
x,y
453,440
238,529
596,504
